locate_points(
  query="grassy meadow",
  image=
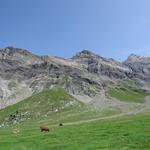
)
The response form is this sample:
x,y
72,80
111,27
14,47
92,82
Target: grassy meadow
x,y
130,132
128,94
81,130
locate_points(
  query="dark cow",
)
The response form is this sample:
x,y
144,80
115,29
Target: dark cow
x,y
46,129
60,124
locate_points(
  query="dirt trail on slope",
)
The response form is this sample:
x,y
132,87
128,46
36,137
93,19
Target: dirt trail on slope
x,y
99,103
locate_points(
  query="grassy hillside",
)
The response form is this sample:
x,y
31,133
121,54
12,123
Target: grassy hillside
x,y
40,105
51,107
128,94
132,132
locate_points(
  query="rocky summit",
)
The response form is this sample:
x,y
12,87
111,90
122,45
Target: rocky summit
x,y
23,74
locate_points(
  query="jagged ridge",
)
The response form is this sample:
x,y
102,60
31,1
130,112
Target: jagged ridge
x,y
83,74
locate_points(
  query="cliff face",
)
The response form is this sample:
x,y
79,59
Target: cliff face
x,y
140,67
98,65
23,73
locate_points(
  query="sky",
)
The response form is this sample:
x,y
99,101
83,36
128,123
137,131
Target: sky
x,y
110,28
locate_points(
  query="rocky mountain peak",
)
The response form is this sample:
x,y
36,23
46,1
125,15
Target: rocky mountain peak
x,y
12,51
20,55
139,59
85,54
82,74
133,58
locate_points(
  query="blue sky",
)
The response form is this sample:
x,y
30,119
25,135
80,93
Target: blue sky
x,y
110,28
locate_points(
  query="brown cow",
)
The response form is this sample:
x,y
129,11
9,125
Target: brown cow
x,y
46,129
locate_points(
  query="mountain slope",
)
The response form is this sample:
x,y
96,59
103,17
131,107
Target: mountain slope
x,y
42,89
38,106
85,74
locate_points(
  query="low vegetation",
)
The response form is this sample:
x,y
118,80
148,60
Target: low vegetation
x,y
128,94
20,123
39,106
131,132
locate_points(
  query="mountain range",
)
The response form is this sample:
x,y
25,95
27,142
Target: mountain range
x,y
86,74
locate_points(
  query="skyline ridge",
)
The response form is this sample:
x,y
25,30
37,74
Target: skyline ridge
x,y
110,28
77,52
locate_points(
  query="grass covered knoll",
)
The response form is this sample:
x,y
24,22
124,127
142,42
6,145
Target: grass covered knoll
x,y
40,105
128,94
128,133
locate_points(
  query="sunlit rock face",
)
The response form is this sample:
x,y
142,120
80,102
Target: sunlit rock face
x,y
23,73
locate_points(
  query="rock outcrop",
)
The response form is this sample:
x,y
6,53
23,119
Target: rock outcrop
x,y
140,67
23,73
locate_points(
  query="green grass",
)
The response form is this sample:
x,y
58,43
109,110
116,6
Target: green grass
x,y
41,104
84,114
129,133
128,94
126,83
39,108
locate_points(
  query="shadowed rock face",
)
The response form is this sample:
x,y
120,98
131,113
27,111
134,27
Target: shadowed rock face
x,y
140,67
101,66
83,74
